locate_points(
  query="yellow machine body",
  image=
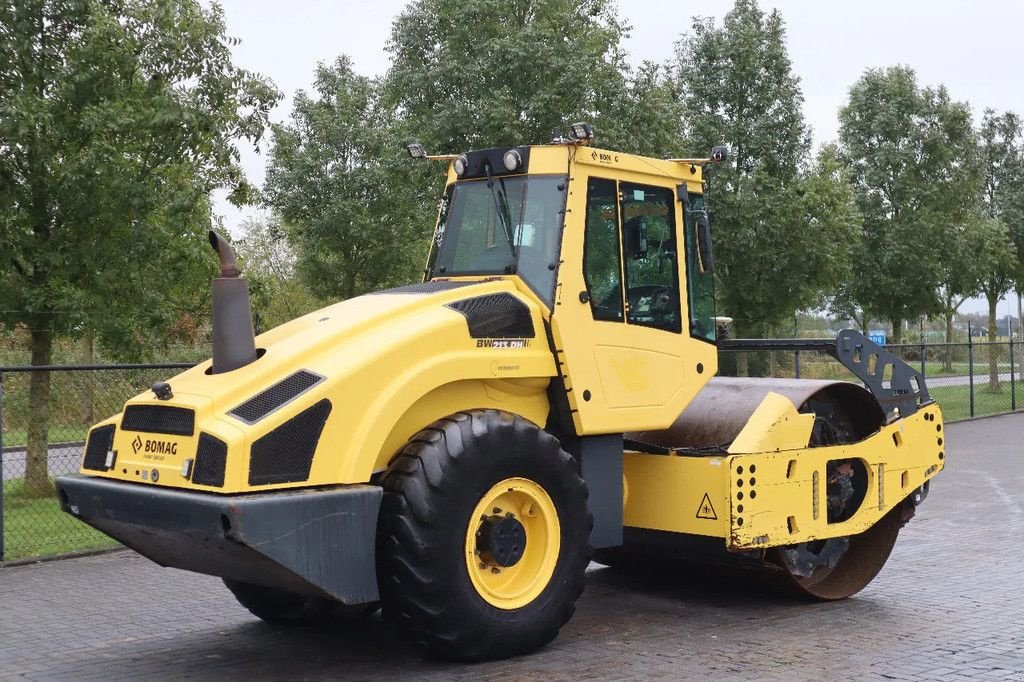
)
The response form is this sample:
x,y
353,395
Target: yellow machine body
x,y
585,365
769,489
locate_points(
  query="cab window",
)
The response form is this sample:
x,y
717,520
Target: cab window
x,y
602,269
650,256
700,278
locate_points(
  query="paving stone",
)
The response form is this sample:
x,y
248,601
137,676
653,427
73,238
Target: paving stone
x,y
947,606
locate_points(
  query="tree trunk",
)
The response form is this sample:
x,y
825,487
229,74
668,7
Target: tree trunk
x,y
947,360
1020,319
897,330
37,477
993,349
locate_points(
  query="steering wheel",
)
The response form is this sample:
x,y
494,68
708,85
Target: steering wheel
x,y
662,300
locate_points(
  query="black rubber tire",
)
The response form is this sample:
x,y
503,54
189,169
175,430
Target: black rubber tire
x,y
430,491
280,607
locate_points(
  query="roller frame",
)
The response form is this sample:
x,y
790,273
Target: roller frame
x,y
665,491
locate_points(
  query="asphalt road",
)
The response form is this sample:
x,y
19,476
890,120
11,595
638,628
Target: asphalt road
x,y
948,606
62,458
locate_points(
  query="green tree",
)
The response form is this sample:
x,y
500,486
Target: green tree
x,y
482,73
1002,201
782,230
340,181
960,274
912,156
268,261
117,119
647,118
998,259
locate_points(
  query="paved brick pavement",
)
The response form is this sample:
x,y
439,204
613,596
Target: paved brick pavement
x,y
949,605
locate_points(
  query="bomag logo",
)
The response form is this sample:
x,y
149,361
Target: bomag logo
x,y
160,447
502,343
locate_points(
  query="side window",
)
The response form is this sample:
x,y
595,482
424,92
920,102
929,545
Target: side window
x,y
700,280
602,269
651,255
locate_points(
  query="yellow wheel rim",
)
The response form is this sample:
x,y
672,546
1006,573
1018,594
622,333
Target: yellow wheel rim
x,y
514,586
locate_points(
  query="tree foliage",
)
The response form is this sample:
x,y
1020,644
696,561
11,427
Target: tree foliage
x,y
485,73
782,229
339,181
117,119
912,156
1001,140
268,261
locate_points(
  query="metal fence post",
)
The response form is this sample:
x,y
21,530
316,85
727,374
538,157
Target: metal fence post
x,y
796,363
1,465
970,363
923,351
1013,383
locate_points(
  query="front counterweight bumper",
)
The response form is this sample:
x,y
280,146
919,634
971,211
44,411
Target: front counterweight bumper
x,y
318,542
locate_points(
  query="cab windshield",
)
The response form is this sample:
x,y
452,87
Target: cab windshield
x,y
502,226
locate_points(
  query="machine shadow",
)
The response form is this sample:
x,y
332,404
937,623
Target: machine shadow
x,y
697,585
375,645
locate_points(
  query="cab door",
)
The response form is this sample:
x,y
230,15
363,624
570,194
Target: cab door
x,y
626,355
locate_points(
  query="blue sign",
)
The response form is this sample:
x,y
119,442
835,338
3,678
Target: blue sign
x,y
877,337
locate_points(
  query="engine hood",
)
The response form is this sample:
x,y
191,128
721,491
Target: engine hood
x,y
354,363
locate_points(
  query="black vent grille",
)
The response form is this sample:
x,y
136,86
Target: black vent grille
x,y
211,458
174,421
260,406
101,440
285,455
426,287
496,316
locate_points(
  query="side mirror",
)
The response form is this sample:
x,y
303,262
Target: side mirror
x,y
636,238
707,259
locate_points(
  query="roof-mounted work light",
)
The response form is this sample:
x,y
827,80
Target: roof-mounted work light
x,y
418,151
581,132
512,160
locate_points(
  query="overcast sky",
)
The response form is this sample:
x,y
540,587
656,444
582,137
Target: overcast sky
x,y
974,47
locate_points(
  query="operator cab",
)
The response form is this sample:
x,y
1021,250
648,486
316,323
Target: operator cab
x,y
614,247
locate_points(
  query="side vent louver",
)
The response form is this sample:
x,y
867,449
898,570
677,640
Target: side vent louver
x,y
496,316
96,448
284,391
285,455
211,458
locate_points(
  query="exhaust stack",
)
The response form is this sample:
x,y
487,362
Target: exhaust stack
x,y
234,344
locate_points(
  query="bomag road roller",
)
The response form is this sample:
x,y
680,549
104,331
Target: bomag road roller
x,y
455,451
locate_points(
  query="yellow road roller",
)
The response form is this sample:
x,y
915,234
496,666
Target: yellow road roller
x,y
455,452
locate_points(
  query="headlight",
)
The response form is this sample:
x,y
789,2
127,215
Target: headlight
x,y
460,164
512,159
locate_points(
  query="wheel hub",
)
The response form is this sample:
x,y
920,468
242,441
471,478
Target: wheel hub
x,y
512,543
501,540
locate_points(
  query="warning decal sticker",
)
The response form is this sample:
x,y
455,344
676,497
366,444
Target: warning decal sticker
x,y
706,510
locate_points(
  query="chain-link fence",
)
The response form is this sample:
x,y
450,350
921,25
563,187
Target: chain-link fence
x,y
966,379
45,415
